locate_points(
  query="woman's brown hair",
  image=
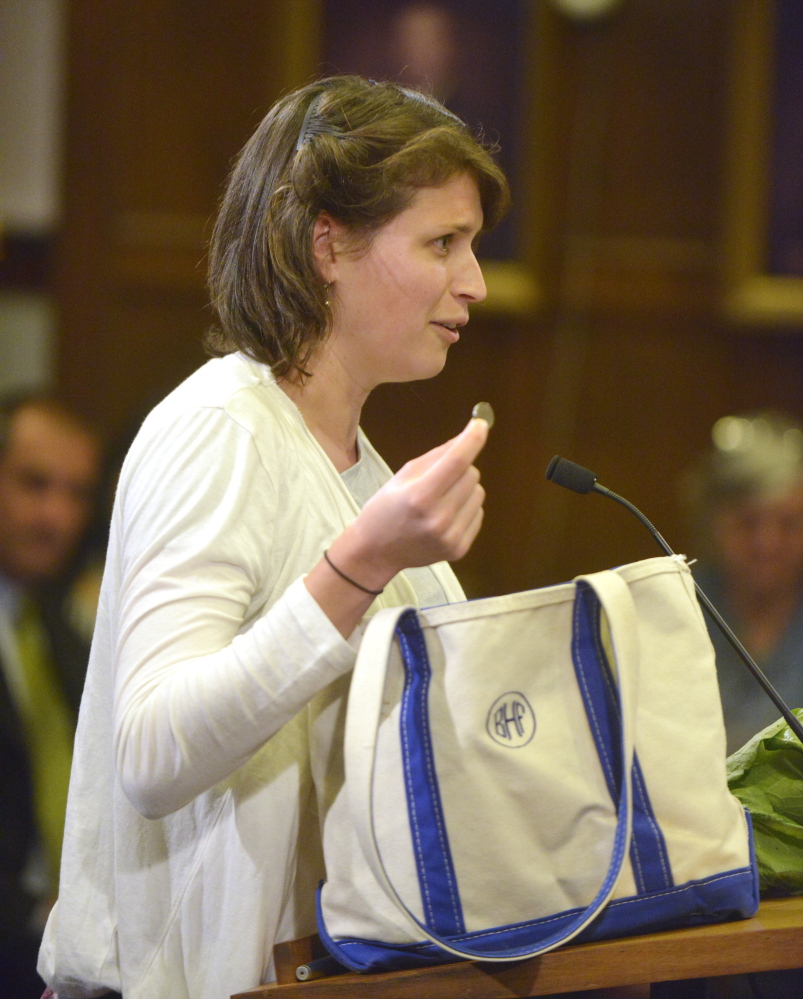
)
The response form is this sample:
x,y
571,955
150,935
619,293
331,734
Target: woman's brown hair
x,y
349,147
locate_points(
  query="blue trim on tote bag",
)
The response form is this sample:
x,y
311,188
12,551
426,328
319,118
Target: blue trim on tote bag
x,y
720,898
649,858
440,896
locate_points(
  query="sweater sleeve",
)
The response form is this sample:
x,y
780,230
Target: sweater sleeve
x,y
198,686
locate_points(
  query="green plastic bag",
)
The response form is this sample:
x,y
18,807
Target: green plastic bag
x,y
766,775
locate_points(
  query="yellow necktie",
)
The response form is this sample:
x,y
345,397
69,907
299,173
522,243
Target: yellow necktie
x,y
49,734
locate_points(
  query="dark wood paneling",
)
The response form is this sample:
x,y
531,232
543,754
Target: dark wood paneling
x,y
160,97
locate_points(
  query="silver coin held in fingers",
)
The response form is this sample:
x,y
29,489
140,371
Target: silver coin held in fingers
x,y
483,411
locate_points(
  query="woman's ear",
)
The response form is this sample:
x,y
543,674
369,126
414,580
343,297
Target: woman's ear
x,y
325,242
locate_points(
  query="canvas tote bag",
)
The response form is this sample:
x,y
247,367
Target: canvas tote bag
x,y
529,769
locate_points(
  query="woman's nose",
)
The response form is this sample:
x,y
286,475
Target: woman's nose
x,y
470,283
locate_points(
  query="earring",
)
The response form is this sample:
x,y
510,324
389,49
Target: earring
x,y
327,286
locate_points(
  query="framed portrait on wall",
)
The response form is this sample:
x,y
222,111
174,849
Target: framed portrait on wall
x,y
764,224
478,59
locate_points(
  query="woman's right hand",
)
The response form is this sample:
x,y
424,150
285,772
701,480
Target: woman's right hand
x,y
430,511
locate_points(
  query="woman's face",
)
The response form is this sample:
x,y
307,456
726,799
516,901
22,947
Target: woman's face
x,y
397,308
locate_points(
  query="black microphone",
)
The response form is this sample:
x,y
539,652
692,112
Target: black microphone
x,y
580,480
571,476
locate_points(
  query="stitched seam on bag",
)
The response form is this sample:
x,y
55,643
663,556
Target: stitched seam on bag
x,y
607,679
741,873
605,670
635,860
432,781
511,603
635,856
410,794
601,751
646,810
625,791
659,844
619,902
689,588
614,902
430,777
681,888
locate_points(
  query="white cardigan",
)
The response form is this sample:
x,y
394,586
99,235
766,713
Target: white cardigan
x,y
192,840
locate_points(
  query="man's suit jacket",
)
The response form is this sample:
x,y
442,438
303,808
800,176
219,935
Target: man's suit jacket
x,y
69,655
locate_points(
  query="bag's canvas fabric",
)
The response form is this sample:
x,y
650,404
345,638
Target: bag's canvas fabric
x,y
488,796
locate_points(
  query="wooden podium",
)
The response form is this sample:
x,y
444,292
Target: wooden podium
x,y
772,940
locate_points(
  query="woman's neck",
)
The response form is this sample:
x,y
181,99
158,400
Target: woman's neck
x,y
330,402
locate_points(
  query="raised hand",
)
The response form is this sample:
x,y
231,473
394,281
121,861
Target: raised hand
x,y
430,511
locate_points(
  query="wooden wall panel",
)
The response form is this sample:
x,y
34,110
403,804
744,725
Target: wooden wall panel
x,y
160,97
626,366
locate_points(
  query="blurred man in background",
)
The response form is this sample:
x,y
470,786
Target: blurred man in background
x,y
49,466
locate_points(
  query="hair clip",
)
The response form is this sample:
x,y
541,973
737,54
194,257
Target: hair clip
x,y
312,126
435,105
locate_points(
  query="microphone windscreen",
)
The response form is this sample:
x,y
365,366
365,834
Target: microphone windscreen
x,y
571,476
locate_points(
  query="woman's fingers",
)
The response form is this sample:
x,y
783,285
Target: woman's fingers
x,y
461,507
459,454
449,460
471,532
446,508
452,459
417,466
431,510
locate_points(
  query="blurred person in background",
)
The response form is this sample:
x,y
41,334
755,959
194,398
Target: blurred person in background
x,y
746,494
49,464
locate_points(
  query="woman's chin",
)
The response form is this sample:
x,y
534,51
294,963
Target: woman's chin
x,y
427,369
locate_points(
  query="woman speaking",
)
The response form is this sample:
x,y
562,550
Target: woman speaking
x,y
254,529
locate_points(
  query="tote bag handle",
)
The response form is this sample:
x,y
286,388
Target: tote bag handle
x,y
362,726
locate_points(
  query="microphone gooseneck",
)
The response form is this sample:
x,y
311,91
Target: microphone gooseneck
x,y
582,480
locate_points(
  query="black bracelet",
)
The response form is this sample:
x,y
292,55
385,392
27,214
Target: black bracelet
x,y
348,579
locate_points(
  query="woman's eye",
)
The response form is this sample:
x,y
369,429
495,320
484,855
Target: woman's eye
x,y
442,242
